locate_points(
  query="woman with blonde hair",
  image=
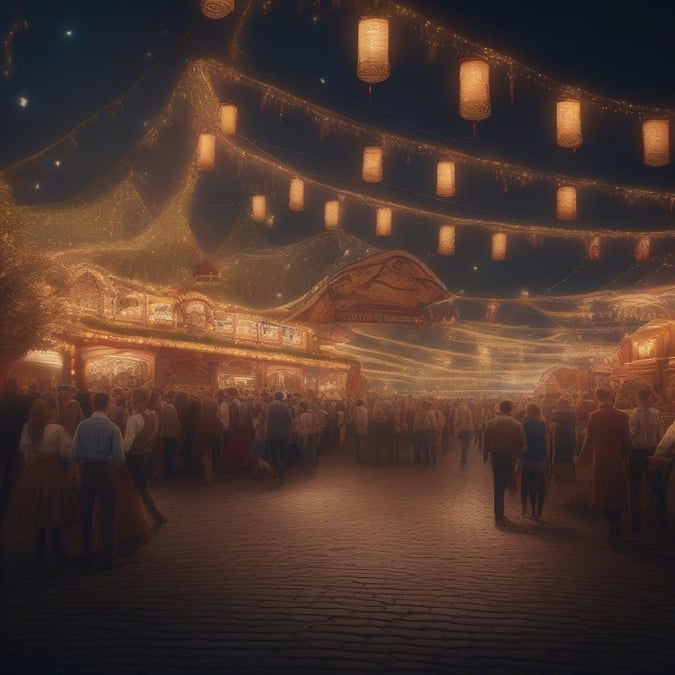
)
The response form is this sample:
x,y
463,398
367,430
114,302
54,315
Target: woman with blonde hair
x,y
43,497
534,461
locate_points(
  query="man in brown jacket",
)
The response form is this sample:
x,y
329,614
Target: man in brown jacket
x,y
504,439
606,450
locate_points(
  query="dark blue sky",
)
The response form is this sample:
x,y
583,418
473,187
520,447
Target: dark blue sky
x,y
76,56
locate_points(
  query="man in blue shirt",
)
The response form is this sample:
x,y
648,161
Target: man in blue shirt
x,y
97,446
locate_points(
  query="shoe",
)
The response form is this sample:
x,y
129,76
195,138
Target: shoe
x,y
111,565
158,523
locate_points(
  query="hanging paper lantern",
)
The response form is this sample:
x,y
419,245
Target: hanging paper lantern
x,y
474,90
445,179
206,154
217,9
566,203
258,207
643,249
568,123
656,142
372,164
228,119
332,215
373,57
296,195
594,248
446,240
383,224
499,246
491,312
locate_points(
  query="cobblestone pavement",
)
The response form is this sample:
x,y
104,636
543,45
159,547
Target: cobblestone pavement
x,y
353,568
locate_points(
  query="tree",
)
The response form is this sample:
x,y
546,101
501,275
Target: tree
x,y
32,298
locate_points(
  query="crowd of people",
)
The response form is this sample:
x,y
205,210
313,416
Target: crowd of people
x,y
77,464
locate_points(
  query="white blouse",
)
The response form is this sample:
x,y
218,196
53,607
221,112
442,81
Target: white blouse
x,y
55,440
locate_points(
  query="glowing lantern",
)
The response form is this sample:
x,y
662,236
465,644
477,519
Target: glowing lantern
x,y
332,215
373,57
568,122
258,207
296,195
445,179
383,224
474,90
372,164
594,249
217,9
499,246
206,155
566,203
643,249
446,240
656,142
491,312
228,119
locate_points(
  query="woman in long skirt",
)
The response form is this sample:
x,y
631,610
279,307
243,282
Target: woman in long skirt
x,y
43,498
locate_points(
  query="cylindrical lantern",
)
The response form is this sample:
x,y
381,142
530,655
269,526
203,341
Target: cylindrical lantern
x,y
568,123
566,203
491,312
372,164
383,224
656,142
332,215
594,248
474,90
258,207
296,195
499,246
643,249
446,240
228,119
217,9
206,155
445,179
373,57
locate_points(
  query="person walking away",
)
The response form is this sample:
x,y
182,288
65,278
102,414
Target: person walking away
x,y
304,428
43,497
169,433
646,430
464,428
564,446
361,430
98,447
504,440
660,467
279,425
534,461
606,450
142,427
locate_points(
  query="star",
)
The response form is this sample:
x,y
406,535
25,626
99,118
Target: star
x,y
68,32
37,186
475,268
57,163
23,101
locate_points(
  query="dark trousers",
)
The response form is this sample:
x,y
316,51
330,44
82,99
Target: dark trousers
x,y
98,484
638,467
533,487
275,452
169,447
502,473
660,478
136,466
41,540
464,440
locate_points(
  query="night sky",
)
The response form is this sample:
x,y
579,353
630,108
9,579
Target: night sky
x,y
75,57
